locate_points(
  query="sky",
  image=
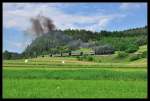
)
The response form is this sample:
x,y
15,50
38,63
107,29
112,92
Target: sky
x,y
89,16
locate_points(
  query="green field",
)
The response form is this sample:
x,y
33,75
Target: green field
x,y
50,88
48,78
58,52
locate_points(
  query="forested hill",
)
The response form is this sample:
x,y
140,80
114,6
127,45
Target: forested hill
x,y
88,35
70,40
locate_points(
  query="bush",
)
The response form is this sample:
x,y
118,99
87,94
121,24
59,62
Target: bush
x,y
81,53
122,54
98,60
79,58
90,58
132,48
141,41
105,49
135,57
144,54
138,56
11,55
85,57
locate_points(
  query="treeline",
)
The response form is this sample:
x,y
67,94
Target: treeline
x,y
104,42
127,40
89,35
11,55
82,34
123,43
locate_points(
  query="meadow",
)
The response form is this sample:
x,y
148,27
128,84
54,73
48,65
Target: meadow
x,y
88,56
48,77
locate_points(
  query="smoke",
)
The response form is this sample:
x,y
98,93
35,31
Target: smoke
x,y
61,38
44,27
40,25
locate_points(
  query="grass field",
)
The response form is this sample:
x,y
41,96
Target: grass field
x,y
48,77
50,88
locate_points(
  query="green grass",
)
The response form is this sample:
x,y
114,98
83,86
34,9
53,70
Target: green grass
x,y
142,49
106,61
82,74
78,83
140,61
49,78
45,88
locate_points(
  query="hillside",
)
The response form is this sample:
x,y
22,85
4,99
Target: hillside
x,y
88,35
104,42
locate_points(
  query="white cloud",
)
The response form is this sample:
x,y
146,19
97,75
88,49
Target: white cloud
x,y
131,6
16,45
18,15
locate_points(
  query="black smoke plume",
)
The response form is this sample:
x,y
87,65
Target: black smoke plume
x,y
40,25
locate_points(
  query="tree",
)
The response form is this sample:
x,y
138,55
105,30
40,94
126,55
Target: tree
x,y
6,55
11,55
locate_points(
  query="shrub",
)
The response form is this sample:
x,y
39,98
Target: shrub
x,y
135,57
144,54
90,58
105,49
98,60
85,57
79,58
132,48
141,41
122,54
50,55
81,53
